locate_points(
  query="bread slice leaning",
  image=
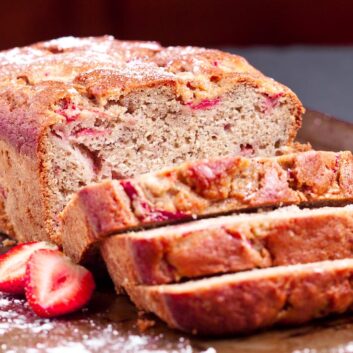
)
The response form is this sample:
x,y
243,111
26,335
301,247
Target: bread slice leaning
x,y
204,188
229,244
247,301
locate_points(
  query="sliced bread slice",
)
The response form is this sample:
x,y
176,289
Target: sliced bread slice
x,y
204,188
247,301
229,244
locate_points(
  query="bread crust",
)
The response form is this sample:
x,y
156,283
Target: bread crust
x,y
204,188
244,302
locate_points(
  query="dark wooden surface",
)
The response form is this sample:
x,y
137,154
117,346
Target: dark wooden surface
x,y
326,133
109,323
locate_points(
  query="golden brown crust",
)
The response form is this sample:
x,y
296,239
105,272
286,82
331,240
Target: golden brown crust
x,y
109,207
229,244
205,188
243,302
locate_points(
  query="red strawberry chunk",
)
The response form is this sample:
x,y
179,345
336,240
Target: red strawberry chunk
x,y
56,286
271,102
144,211
68,110
204,104
13,265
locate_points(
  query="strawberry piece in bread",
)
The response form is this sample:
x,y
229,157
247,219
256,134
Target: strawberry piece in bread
x,y
55,286
13,265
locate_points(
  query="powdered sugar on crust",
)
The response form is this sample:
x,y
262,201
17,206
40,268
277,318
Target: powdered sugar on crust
x,y
67,43
101,44
101,81
67,58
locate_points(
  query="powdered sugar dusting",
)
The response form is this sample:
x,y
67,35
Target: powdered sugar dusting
x,y
19,56
14,319
192,70
142,70
65,43
109,329
138,70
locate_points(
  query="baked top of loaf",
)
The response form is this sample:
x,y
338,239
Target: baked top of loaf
x,y
229,244
204,188
251,300
34,79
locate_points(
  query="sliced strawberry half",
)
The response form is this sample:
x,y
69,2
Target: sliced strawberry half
x,y
56,286
13,265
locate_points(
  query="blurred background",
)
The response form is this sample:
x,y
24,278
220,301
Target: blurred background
x,y
306,44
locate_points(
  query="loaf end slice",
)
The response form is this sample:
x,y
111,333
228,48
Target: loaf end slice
x,y
248,301
204,188
229,244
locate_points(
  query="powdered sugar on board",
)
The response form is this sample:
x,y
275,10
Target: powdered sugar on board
x,y
108,325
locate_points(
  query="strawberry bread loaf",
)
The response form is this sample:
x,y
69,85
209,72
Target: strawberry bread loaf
x,y
76,111
102,140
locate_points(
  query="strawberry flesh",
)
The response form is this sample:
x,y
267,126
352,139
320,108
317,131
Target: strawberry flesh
x,y
13,266
204,104
55,286
144,211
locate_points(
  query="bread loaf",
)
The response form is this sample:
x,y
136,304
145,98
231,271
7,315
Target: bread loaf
x,y
77,111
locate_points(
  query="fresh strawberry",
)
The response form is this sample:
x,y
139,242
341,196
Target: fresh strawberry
x,y
13,266
56,286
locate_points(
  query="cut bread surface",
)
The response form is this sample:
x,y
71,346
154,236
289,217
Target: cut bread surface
x,y
76,111
229,244
251,300
204,188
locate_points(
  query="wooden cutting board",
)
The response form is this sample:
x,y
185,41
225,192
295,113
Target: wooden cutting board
x,y
109,324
